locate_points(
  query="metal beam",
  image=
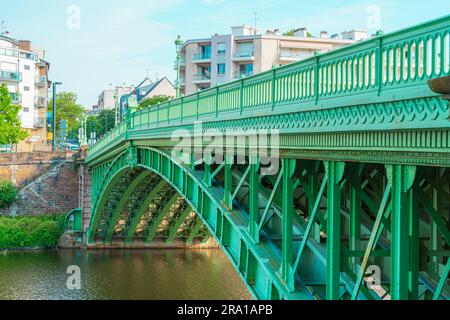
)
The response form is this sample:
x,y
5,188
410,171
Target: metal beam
x,y
287,207
156,221
123,201
182,217
144,207
402,179
335,172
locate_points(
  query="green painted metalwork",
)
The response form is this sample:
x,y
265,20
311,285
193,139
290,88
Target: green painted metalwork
x,y
335,173
198,224
120,206
361,138
177,224
160,216
73,220
135,220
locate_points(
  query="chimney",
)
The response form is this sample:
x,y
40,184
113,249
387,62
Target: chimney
x,y
25,45
302,33
335,36
323,35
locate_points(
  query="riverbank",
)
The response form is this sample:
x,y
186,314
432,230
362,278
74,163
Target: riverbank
x,y
30,232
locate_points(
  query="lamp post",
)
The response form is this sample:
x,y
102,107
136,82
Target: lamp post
x,y
54,116
178,45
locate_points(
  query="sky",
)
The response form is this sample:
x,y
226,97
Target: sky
x,y
92,45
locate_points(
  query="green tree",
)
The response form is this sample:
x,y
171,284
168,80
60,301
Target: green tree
x,y
67,108
153,101
10,131
99,123
8,193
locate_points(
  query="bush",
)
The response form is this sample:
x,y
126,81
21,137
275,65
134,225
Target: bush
x,y
46,234
8,193
39,231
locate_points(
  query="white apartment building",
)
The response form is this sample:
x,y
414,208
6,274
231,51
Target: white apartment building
x,y
25,72
109,98
244,52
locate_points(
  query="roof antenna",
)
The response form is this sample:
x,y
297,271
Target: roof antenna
x,y
2,29
256,18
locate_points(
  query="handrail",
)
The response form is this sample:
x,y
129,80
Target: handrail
x,y
395,65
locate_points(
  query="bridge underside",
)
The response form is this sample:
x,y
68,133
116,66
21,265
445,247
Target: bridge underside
x,y
313,230
143,208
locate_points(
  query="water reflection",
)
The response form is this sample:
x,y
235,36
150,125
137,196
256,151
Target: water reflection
x,y
121,274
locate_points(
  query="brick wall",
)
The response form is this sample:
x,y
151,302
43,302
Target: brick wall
x,y
48,182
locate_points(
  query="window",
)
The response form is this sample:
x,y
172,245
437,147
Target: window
x,y
26,67
221,48
221,68
246,69
26,88
206,52
26,109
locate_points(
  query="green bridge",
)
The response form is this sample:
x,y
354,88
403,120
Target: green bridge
x,y
350,198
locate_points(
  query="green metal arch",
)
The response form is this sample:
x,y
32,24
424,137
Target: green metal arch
x,y
252,264
101,198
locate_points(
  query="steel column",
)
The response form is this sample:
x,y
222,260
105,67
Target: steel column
x,y
402,179
335,171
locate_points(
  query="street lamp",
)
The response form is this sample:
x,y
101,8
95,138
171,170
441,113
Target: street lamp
x,y
178,45
54,116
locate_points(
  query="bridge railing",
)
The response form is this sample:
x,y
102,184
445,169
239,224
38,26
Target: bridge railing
x,y
388,67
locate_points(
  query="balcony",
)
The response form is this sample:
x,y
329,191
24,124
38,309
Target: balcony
x,y
16,98
201,57
41,81
293,56
39,122
182,82
10,76
40,102
244,56
202,78
242,74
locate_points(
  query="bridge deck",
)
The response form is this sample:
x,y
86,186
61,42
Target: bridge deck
x,y
371,97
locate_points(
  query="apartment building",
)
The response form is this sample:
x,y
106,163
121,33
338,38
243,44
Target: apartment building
x,y
109,98
25,72
244,52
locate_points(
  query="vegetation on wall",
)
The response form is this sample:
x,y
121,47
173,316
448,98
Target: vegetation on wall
x,y
30,231
8,193
10,131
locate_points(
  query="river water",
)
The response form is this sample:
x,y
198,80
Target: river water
x,y
120,274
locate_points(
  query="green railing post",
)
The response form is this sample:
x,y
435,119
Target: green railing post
x,y
197,106
217,101
181,109
273,87
241,96
316,80
168,111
